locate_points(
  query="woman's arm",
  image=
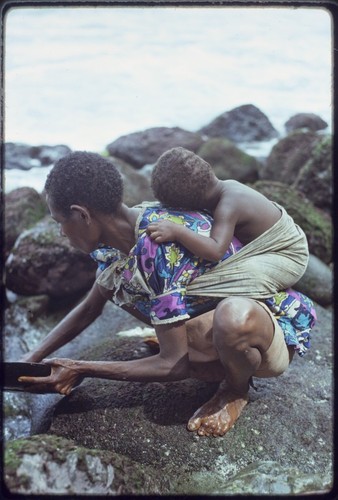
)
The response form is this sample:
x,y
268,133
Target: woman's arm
x,y
72,325
212,248
171,363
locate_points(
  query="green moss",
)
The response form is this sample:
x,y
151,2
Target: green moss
x,y
228,161
129,476
316,224
35,214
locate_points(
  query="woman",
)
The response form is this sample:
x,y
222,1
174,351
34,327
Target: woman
x,y
206,337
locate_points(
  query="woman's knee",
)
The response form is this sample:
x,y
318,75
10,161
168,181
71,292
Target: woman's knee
x,y
240,323
233,313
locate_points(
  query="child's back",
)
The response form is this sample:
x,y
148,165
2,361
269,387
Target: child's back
x,y
181,179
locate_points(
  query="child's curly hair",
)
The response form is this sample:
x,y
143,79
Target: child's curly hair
x,y
180,178
83,178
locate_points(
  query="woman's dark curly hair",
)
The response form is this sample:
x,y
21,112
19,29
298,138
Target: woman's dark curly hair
x,y
87,179
180,178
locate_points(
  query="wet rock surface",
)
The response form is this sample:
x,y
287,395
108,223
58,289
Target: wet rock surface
x,y
287,426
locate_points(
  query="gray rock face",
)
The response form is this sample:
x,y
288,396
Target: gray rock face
x,y
43,262
25,157
145,147
242,124
308,121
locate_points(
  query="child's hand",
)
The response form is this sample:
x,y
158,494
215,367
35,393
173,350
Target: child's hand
x,y
163,230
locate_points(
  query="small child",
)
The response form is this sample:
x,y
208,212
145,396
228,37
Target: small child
x,y
182,179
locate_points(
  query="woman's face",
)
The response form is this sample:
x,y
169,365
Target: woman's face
x,y
78,227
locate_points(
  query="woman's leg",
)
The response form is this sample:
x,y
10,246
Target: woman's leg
x,y
242,331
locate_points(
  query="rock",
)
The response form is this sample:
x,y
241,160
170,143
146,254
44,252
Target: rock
x,y
145,147
24,207
146,422
315,177
316,224
317,282
136,184
242,124
24,157
228,161
307,121
47,464
288,156
43,262
264,476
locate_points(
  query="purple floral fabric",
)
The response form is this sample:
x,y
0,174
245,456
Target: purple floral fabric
x,y
154,278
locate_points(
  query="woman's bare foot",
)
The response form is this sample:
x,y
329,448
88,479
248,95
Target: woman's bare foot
x,y
219,414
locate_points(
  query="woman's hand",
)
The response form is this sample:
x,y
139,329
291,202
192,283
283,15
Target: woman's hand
x,y
163,230
64,376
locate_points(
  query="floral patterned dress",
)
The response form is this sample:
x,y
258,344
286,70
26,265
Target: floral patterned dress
x,y
154,278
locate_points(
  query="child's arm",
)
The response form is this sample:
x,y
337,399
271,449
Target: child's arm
x,y
212,248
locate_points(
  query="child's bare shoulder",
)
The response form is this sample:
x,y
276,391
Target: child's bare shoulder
x,y
231,186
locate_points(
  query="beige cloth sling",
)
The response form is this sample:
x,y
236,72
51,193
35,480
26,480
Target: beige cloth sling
x,y
274,261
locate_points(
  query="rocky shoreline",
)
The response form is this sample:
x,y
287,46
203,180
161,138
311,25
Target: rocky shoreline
x,y
117,438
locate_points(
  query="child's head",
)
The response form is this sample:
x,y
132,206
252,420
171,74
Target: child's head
x,y
180,178
85,179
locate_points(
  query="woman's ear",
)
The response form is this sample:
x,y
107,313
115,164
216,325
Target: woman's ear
x,y
81,212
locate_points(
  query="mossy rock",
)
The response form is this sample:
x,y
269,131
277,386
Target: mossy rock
x,y
51,464
315,223
315,177
289,155
43,262
228,161
24,207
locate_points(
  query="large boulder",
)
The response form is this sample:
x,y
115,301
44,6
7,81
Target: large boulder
x,y
315,177
228,161
43,262
315,223
146,422
24,207
288,156
307,121
242,124
25,157
143,148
